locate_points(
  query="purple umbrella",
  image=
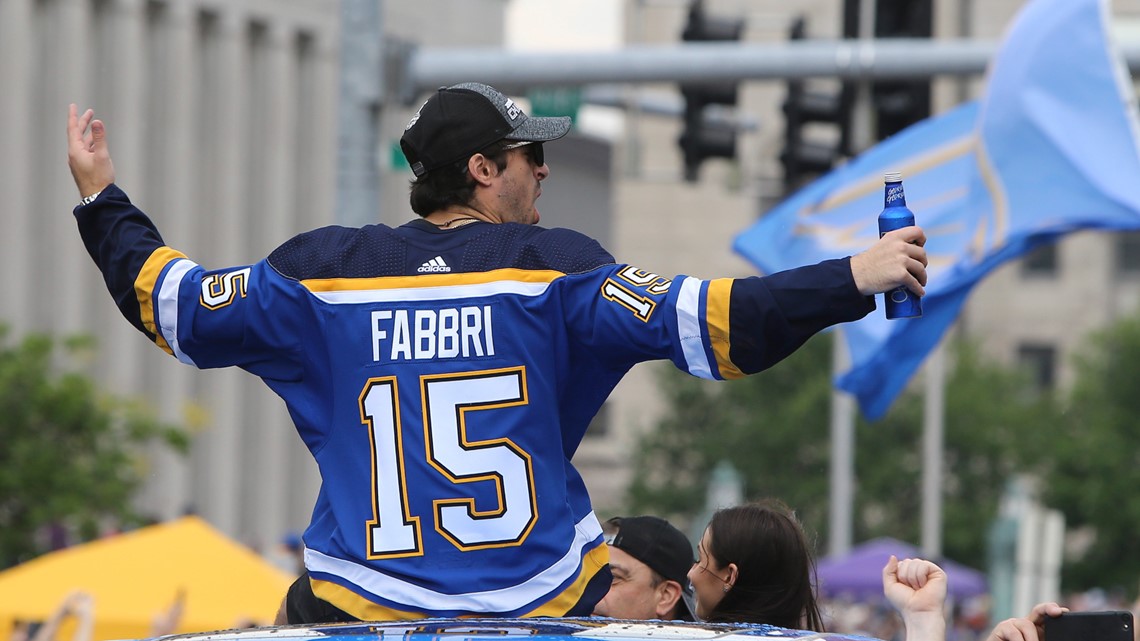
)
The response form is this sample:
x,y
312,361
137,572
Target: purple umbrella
x,y
859,573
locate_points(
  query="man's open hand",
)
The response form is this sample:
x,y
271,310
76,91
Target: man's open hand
x,y
87,154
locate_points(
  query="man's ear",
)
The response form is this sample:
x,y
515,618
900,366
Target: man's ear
x,y
482,169
668,594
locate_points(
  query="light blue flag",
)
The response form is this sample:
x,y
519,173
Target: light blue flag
x,y
1052,147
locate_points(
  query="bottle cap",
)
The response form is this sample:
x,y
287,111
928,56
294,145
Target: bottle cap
x,y
892,177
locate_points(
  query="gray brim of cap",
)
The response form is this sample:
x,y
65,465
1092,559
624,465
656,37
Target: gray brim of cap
x,y
687,605
541,129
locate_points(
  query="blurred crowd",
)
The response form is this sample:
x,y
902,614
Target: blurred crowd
x,y
967,620
752,564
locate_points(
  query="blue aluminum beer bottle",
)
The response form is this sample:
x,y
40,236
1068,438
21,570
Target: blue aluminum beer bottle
x,y
900,302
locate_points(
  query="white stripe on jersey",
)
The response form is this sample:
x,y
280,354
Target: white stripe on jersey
x,y
167,304
448,292
690,329
411,596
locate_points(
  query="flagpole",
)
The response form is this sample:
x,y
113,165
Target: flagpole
x,y
842,452
842,403
933,417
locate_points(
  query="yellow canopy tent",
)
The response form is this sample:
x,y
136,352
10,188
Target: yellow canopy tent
x,y
136,575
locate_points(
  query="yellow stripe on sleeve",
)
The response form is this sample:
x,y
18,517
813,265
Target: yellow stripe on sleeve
x,y
365,610
357,605
592,563
716,320
144,290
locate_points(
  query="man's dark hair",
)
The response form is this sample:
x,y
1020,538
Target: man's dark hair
x,y
451,184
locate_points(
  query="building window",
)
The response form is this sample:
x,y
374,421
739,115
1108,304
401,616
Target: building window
x,y
1128,253
1041,262
1039,361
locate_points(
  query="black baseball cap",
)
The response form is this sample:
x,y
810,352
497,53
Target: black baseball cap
x,y
665,549
462,119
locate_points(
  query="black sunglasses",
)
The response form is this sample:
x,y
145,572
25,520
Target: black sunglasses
x,y
532,149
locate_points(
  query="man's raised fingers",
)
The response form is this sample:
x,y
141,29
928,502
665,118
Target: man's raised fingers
x,y
72,122
77,126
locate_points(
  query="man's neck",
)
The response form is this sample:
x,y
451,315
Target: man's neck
x,y
456,215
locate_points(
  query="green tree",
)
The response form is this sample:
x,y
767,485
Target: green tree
x,y
991,425
774,428
1097,461
70,454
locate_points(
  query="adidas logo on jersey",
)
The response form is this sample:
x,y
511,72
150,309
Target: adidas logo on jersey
x,y
433,266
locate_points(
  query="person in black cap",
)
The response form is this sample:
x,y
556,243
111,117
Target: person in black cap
x,y
649,559
443,373
469,128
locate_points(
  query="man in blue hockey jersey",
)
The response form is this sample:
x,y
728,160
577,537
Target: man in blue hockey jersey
x,y
442,373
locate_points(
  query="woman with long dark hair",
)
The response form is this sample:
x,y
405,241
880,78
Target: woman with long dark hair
x,y
755,565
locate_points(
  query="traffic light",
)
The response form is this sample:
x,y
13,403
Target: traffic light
x,y
702,139
901,103
804,109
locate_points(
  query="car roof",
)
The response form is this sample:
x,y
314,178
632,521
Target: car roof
x,y
545,629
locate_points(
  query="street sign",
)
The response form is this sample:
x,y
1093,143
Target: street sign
x,y
555,101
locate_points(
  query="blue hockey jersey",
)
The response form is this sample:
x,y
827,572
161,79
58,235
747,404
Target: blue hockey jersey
x,y
443,380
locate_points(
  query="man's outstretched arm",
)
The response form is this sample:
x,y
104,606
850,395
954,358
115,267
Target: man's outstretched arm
x,y
187,311
120,238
